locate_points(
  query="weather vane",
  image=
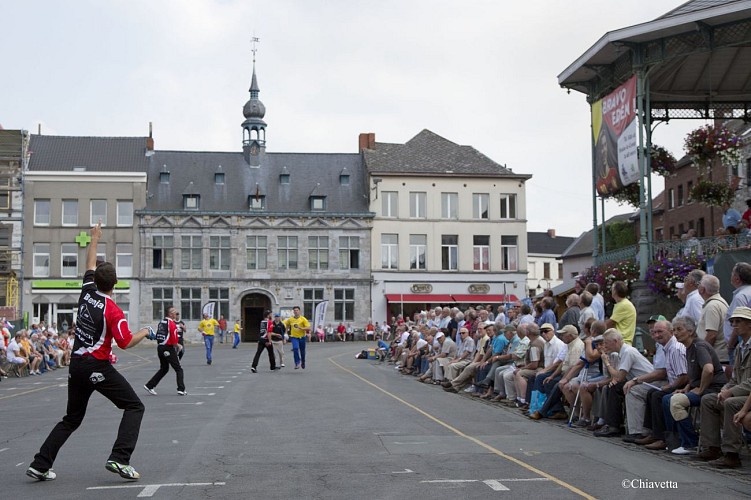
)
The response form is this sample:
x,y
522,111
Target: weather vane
x,y
254,40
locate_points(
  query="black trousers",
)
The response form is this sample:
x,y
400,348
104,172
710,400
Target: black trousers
x,y
614,405
167,357
653,415
261,346
86,375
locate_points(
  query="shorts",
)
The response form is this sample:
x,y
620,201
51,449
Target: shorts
x,y
17,360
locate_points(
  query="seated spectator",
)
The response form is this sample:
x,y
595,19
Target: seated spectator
x,y
718,410
463,357
439,359
705,375
341,332
483,350
669,370
553,356
533,359
632,364
29,352
504,386
743,416
567,370
14,354
501,360
320,334
590,372
369,330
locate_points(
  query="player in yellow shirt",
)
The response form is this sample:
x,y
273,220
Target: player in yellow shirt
x,y
237,335
298,327
206,327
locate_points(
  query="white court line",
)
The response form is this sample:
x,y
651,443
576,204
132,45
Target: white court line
x,y
410,442
149,489
4,449
493,484
195,404
209,387
197,394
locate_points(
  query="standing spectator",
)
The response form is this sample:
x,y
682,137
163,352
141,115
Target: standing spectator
x,y
598,302
712,317
222,328
740,278
694,301
730,218
206,327
623,318
100,322
571,316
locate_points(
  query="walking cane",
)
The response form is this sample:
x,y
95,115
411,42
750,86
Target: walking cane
x,y
578,390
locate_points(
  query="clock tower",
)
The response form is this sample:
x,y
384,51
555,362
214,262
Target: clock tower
x,y
254,128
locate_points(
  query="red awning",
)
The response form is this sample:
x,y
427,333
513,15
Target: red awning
x,y
484,298
420,298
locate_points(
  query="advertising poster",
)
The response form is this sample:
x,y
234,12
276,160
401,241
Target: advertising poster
x,y
615,134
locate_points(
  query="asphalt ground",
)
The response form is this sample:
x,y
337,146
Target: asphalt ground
x,y
341,428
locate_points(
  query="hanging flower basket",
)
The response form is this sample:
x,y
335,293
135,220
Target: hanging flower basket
x,y
629,194
708,142
713,194
662,161
664,273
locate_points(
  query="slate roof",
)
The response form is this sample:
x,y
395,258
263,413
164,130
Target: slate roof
x,y
309,173
695,6
98,154
429,153
584,244
542,243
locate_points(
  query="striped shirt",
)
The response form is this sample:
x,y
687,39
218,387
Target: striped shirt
x,y
675,359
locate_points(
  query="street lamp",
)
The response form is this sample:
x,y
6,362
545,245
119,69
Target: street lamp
x,y
539,287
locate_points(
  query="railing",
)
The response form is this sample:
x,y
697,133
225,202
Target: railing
x,y
708,247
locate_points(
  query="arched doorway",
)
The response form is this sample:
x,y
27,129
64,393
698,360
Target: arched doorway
x,y
253,306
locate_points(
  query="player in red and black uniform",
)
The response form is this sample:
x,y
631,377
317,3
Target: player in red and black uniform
x,y
99,322
167,350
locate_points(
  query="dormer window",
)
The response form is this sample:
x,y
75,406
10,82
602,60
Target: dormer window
x,y
219,178
164,177
317,202
344,180
283,178
191,201
256,202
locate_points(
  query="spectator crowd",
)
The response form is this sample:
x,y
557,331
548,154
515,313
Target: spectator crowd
x,y
35,351
689,396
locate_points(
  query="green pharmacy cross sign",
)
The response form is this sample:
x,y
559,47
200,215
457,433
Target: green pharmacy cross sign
x,y
83,239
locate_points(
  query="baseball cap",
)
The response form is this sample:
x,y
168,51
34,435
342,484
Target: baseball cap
x,y
569,329
657,317
277,315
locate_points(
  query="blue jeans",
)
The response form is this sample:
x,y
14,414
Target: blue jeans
x,y
221,335
298,349
237,340
686,431
209,341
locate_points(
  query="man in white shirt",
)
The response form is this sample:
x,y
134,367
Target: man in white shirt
x,y
694,300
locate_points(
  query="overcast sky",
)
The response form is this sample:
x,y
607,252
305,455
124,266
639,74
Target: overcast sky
x,y
479,73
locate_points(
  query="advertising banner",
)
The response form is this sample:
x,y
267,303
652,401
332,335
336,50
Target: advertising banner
x,y
320,314
209,308
615,134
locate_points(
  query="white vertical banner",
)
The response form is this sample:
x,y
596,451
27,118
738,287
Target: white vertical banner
x,y
319,315
209,308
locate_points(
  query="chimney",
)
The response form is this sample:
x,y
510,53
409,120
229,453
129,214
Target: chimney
x,y
551,233
150,140
366,141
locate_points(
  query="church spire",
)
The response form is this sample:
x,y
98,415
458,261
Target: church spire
x,y
254,128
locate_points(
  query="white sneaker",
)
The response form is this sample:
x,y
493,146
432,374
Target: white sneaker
x,y
125,471
471,388
49,475
684,451
150,391
182,393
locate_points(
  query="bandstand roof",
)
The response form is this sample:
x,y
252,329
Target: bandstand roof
x,y
697,57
